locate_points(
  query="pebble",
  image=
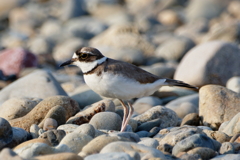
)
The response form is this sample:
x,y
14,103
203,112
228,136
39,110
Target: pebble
x,y
217,135
6,133
191,119
193,141
168,117
150,142
40,111
227,148
33,85
75,141
217,104
53,136
19,57
109,156
59,156
136,151
129,135
203,152
19,136
17,107
85,115
106,120
184,105
147,126
87,129
34,129
96,145
196,71
142,134
49,124
227,157
145,101
181,46
68,128
231,127
234,84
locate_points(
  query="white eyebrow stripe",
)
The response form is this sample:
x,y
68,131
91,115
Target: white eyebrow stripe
x,y
87,52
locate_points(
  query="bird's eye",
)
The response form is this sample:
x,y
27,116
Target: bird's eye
x,y
84,56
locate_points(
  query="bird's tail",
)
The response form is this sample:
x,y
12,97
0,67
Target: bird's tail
x,y
172,82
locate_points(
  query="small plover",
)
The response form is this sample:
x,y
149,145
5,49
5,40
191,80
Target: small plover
x,y
117,79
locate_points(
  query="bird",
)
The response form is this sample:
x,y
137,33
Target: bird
x,y
118,79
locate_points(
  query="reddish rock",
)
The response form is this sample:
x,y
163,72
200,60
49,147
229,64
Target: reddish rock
x,y
12,61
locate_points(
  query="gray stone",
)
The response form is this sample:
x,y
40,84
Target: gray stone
x,y
150,142
217,105
231,127
19,136
191,119
212,67
184,105
204,152
168,117
151,101
227,148
147,126
53,136
142,134
136,151
68,128
106,120
33,85
34,129
109,156
204,9
227,157
196,140
49,124
75,141
6,133
129,135
87,129
181,46
17,107
234,84
217,135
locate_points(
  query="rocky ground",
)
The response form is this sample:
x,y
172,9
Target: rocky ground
x,y
49,113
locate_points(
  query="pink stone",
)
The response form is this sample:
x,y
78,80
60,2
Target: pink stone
x,y
12,61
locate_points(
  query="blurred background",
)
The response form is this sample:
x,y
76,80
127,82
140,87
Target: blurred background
x,y
192,40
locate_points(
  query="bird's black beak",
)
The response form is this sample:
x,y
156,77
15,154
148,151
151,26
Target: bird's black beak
x,y
66,63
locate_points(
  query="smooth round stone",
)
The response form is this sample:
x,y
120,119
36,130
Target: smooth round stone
x,y
204,152
191,119
109,156
168,117
106,120
227,148
17,107
231,127
41,110
218,136
57,114
194,69
134,150
75,141
68,128
49,124
19,136
34,129
34,84
147,126
39,45
154,131
234,84
142,134
193,141
169,17
20,57
87,129
129,135
184,105
53,136
217,105
227,157
150,142
181,46
98,143
59,156
7,153
150,101
6,133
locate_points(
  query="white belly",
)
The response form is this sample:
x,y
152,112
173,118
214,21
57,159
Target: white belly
x,y
115,86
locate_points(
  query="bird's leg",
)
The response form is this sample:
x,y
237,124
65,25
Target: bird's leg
x,y
131,110
125,115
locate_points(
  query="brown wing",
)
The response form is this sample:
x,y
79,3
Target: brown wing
x,y
129,70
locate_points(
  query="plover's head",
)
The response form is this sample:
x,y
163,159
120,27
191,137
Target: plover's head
x,y
86,58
